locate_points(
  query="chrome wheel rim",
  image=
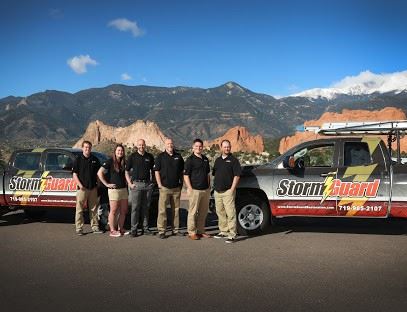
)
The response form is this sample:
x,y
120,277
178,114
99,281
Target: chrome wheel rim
x,y
250,217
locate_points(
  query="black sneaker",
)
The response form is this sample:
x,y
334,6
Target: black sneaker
x,y
220,235
148,232
230,240
80,233
97,231
161,236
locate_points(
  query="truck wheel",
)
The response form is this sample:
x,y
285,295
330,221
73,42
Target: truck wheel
x,y
34,214
253,215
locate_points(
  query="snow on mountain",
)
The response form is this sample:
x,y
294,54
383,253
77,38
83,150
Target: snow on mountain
x,y
364,83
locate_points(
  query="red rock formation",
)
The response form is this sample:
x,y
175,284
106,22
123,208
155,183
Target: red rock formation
x,y
98,132
241,140
388,113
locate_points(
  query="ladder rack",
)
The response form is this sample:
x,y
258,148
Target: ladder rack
x,y
362,127
393,129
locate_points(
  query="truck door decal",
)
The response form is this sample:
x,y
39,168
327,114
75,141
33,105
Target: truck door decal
x,y
355,190
43,184
360,174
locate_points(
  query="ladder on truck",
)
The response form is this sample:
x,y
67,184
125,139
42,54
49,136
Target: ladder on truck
x,y
393,129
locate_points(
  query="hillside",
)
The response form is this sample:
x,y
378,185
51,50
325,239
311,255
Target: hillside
x,y
182,113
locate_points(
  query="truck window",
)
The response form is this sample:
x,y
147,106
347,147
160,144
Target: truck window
x,y
102,157
357,154
317,156
58,161
27,161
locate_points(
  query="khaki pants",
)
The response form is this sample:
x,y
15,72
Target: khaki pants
x,y
171,195
198,210
226,211
91,197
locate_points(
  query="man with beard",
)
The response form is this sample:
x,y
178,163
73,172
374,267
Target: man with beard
x,y
85,170
226,171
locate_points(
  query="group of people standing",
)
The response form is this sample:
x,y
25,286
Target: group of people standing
x,y
135,177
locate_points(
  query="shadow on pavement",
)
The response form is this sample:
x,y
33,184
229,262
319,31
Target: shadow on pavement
x,y
289,225
18,217
67,215
391,226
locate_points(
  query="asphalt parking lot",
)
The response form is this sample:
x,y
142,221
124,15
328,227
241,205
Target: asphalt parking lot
x,y
301,265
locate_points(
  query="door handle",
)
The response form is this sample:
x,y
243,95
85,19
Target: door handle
x,y
327,174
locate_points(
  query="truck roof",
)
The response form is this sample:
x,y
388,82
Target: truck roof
x,y
333,139
76,151
42,149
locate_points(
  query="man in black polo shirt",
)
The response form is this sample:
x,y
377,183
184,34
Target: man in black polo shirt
x,y
227,172
85,170
169,168
139,170
197,180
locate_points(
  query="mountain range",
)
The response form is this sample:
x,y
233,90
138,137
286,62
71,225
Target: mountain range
x,y
363,84
182,113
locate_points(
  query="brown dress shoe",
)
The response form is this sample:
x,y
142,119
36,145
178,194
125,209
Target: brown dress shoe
x,y
193,236
205,235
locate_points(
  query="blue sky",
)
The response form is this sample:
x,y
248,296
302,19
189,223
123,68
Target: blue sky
x,y
273,47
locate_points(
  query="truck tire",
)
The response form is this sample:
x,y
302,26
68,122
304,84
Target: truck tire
x,y
34,214
4,210
252,215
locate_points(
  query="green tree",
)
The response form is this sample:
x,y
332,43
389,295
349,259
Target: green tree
x,y
271,146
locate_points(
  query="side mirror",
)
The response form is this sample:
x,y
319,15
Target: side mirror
x,y
300,164
289,162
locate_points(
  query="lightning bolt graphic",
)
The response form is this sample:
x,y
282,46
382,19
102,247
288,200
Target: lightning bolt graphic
x,y
327,187
43,182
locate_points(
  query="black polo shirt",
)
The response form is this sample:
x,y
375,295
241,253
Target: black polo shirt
x,y
171,169
197,169
141,166
224,170
113,176
86,169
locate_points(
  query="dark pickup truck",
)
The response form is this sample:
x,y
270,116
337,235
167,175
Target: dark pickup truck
x,y
39,179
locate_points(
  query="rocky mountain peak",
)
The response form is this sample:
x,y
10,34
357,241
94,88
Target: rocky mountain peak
x,y
365,83
97,132
231,87
241,140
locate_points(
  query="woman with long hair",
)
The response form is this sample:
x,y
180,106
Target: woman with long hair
x,y
112,175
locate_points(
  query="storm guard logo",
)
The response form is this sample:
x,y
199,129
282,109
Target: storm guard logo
x,y
42,184
329,188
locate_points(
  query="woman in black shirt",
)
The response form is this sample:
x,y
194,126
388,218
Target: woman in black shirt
x,y
112,175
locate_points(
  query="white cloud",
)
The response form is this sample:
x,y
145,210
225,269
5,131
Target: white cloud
x,y
78,63
123,24
126,76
